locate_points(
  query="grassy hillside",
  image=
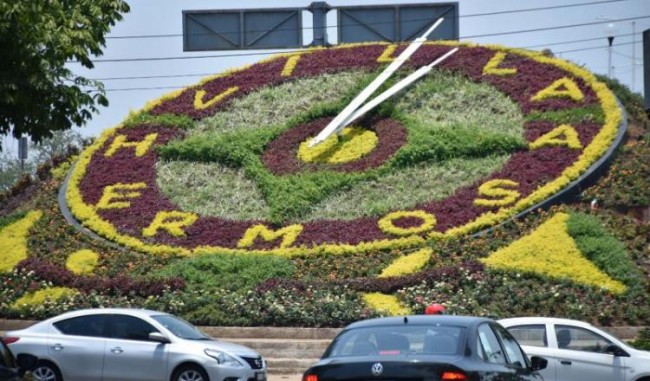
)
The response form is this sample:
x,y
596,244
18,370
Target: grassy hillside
x,y
571,260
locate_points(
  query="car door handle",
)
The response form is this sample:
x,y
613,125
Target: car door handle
x,y
57,347
117,350
565,362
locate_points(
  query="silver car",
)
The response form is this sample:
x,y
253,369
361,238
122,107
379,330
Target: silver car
x,y
131,344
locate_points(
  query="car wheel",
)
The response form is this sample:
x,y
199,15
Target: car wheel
x,y
46,371
190,373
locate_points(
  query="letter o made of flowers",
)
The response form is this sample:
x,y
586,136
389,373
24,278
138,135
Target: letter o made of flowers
x,y
387,225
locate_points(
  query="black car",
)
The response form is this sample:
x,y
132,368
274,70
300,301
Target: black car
x,y
12,369
425,348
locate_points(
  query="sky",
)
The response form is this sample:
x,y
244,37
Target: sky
x,y
481,21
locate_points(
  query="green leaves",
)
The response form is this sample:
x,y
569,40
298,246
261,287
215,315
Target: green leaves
x,y
227,271
38,38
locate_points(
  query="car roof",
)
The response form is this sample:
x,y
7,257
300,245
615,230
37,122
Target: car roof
x,y
95,311
543,320
463,321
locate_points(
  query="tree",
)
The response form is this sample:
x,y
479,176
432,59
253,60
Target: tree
x,y
38,93
59,144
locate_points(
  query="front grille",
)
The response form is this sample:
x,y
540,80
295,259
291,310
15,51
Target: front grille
x,y
255,362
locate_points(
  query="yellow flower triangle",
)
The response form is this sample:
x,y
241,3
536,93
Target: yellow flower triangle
x,y
13,241
552,252
385,303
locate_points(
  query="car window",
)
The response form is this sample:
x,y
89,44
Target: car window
x,y
580,339
490,346
390,340
89,325
130,328
515,355
180,328
533,334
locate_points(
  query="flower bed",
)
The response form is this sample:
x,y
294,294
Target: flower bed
x,y
377,222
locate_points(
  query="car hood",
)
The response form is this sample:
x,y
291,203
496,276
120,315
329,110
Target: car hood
x,y
642,355
221,345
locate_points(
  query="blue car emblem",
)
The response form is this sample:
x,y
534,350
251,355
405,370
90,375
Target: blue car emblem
x,y
377,369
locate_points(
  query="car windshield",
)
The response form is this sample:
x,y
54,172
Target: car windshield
x,y
180,328
398,340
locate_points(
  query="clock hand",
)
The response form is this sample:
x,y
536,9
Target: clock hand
x,y
395,88
373,86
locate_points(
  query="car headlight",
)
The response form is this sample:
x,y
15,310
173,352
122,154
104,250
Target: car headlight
x,y
223,358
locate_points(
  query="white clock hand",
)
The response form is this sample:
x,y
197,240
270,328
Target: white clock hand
x,y
396,88
373,86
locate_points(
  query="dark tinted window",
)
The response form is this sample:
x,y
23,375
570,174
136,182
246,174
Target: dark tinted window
x,y
91,325
489,344
533,334
391,340
580,339
515,355
130,328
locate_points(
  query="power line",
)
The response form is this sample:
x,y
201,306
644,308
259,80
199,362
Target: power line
x,y
574,41
303,50
377,23
152,77
207,74
590,48
552,28
182,87
626,55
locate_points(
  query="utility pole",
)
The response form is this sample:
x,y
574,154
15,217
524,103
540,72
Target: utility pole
x,y
633,54
610,31
319,11
646,69
22,151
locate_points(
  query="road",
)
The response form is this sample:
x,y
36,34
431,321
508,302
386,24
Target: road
x,y
284,377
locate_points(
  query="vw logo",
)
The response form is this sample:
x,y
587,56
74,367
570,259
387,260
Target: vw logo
x,y
377,369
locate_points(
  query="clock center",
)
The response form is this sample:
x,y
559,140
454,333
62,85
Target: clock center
x,y
353,144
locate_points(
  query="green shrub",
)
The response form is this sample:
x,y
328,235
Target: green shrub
x,y
608,253
227,271
11,218
643,341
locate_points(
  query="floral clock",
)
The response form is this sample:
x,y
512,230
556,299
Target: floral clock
x,y
225,165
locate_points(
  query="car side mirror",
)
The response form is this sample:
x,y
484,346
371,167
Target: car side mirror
x,y
159,337
615,350
538,363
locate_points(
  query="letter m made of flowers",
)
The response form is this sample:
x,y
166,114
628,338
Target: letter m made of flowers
x,y
289,234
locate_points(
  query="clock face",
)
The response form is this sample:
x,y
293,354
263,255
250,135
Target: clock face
x,y
225,166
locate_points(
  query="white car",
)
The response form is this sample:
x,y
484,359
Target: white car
x,y
578,351
123,344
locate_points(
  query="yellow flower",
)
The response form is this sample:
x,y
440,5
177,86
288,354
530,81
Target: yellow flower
x,y
82,261
354,144
13,241
37,298
552,252
386,303
408,264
